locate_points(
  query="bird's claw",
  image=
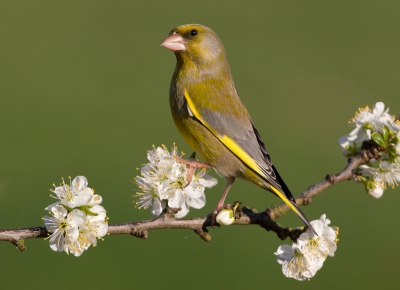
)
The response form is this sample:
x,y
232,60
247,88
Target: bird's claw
x,y
192,164
213,216
189,176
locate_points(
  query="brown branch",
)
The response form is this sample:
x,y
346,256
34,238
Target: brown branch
x,y
140,229
330,179
244,216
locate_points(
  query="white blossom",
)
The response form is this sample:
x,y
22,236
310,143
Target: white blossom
x,y
76,194
163,182
351,144
294,263
330,234
97,225
375,119
77,219
306,256
314,248
193,194
149,196
63,224
82,242
384,129
367,121
159,180
387,173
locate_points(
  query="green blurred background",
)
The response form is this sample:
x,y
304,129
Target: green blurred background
x,y
84,91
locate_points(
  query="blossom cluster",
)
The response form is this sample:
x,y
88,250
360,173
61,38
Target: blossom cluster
x,y
306,256
77,219
382,131
164,182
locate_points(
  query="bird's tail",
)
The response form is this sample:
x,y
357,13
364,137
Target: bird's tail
x,y
288,198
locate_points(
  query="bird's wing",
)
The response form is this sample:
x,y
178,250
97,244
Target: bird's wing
x,y
235,132
244,141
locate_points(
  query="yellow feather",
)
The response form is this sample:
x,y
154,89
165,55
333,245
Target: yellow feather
x,y
286,200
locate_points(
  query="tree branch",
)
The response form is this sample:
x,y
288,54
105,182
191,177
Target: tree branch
x,y
330,179
244,216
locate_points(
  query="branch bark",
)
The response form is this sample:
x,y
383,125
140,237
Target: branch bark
x,y
244,216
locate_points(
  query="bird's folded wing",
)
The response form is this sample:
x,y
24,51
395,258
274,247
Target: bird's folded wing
x,y
239,138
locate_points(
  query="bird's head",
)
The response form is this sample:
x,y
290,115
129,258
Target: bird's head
x,y
195,43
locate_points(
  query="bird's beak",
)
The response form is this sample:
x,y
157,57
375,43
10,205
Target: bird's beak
x,y
174,42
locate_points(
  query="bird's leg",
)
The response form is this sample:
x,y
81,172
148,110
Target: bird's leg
x,y
193,164
220,205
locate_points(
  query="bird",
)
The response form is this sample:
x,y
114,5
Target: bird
x,y
213,120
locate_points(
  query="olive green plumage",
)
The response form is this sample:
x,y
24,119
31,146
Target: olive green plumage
x,y
210,115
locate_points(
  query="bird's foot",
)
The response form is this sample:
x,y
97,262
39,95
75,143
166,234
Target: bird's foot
x,y
213,216
192,164
214,213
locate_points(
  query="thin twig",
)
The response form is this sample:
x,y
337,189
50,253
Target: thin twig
x,y
330,179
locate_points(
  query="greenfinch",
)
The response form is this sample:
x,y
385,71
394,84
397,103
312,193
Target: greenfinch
x,y
211,117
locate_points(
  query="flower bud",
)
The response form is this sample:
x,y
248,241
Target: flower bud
x,y
374,188
225,217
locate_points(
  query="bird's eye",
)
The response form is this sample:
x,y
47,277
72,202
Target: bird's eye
x,y
193,32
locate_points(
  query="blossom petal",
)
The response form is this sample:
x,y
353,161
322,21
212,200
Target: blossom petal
x,y
194,192
379,109
197,202
157,207
284,253
208,181
79,183
177,201
57,244
50,207
82,198
183,212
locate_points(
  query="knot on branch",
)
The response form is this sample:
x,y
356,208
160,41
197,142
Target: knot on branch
x,y
371,149
20,244
139,233
275,211
203,233
169,212
331,178
303,200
